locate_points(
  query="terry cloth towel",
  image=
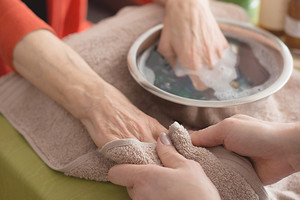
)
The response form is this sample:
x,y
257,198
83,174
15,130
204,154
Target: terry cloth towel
x,y
233,175
63,143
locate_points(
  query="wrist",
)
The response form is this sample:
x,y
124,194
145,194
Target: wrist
x,y
202,6
81,98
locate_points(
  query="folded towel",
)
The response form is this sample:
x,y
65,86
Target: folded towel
x,y
63,143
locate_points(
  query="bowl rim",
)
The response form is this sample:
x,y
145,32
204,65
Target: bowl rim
x,y
273,88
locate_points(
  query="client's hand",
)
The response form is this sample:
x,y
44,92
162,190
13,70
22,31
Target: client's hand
x,y
112,116
63,75
179,179
191,35
272,147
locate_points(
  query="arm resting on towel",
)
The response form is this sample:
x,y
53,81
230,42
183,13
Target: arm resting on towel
x,y
61,73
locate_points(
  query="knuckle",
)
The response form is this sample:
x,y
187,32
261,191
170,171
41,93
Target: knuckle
x,y
165,154
154,121
155,127
239,116
192,165
228,121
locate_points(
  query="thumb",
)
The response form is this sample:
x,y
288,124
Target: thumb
x,y
165,46
209,137
126,174
167,153
156,128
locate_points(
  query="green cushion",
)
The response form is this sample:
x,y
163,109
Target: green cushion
x,y
23,175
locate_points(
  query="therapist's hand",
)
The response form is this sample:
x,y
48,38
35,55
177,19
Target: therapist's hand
x,y
191,34
274,148
178,179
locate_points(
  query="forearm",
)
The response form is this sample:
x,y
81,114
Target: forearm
x,y
62,74
292,145
57,70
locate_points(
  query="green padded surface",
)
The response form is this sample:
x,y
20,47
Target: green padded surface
x,y
23,175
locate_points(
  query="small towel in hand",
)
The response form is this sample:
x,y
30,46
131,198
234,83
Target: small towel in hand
x,y
232,175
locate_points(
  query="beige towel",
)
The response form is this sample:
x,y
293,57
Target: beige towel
x,y
63,143
233,175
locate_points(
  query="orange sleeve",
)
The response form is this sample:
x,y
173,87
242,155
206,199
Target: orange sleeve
x,y
16,20
68,16
143,1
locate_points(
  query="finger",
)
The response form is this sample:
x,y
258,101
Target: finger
x,y
156,128
221,50
190,56
165,47
212,57
197,83
167,152
124,174
171,60
208,137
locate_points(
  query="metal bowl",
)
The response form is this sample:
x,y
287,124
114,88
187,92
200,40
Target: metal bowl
x,y
281,55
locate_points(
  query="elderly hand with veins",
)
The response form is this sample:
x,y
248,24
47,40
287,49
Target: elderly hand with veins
x,y
64,76
191,35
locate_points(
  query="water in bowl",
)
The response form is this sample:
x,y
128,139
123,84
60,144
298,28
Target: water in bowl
x,y
256,69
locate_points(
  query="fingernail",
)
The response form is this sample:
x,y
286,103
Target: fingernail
x,y
164,139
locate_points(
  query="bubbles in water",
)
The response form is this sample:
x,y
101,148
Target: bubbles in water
x,y
219,78
146,72
246,70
